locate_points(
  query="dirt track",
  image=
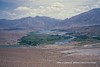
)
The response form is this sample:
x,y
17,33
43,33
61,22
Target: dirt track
x,y
36,57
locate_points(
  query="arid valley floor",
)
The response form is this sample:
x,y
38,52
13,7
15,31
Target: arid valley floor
x,y
50,56
49,33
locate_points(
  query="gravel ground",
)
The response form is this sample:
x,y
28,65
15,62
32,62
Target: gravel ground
x,y
36,57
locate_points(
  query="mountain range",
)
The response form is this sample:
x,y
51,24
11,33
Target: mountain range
x,y
85,22
89,18
29,23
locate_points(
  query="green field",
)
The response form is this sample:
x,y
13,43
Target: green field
x,y
35,39
87,39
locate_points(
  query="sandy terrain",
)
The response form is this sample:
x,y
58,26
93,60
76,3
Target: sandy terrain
x,y
94,51
11,37
37,57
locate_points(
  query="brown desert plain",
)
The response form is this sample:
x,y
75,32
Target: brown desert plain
x,y
50,56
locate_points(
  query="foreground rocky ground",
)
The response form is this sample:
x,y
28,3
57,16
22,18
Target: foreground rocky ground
x,y
58,56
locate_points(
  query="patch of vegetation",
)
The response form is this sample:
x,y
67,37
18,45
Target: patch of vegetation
x,y
96,37
35,39
81,38
87,39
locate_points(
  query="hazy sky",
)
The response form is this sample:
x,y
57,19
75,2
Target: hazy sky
x,y
61,9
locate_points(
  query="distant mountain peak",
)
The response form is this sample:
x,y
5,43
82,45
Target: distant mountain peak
x,y
88,18
31,23
95,9
27,17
